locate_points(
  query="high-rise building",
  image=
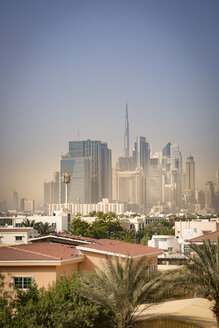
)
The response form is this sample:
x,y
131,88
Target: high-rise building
x,y
79,188
209,195
172,175
154,181
15,200
126,134
129,187
51,190
141,154
90,166
190,180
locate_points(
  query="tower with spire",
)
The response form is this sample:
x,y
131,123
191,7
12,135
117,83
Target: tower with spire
x,y
126,134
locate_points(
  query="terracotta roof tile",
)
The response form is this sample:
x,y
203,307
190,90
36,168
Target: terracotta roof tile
x,y
39,251
119,247
212,236
67,235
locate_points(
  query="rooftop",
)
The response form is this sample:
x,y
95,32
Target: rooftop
x,y
15,229
39,251
119,248
212,236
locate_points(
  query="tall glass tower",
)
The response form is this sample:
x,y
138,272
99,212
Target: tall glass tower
x,y
126,135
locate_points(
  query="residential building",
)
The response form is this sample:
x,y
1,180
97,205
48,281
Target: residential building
x,y
137,223
212,236
44,262
104,206
60,220
186,230
165,242
10,235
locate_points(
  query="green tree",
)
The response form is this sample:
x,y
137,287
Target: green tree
x,y
121,287
200,277
58,307
43,228
28,223
5,305
79,227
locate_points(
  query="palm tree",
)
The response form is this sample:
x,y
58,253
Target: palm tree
x,y
121,287
28,223
201,275
43,228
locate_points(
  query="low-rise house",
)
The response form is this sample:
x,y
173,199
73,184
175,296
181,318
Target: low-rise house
x,y
60,221
137,223
10,235
213,237
186,230
166,242
44,262
41,262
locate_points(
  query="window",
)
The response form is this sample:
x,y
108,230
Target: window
x,y
54,225
18,238
22,282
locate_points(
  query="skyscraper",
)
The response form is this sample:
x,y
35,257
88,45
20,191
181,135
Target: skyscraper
x,y
15,200
51,190
190,180
90,163
126,135
209,195
79,186
172,175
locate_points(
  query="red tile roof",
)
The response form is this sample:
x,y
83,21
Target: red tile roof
x,y
212,236
67,235
119,247
15,229
39,251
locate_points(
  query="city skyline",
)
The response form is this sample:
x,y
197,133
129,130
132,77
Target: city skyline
x,y
68,69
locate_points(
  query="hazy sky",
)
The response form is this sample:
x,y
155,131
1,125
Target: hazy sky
x,y
69,67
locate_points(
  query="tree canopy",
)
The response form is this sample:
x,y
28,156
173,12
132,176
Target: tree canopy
x,y
105,226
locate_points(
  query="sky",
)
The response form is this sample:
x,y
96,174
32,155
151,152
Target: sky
x,y
68,67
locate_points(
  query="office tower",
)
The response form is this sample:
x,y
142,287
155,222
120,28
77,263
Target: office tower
x,y
154,181
141,154
51,190
172,175
22,204
126,134
92,161
79,186
209,195
190,180
15,200
129,186
200,198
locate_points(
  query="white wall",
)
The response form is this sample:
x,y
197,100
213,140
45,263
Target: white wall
x,y
9,237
